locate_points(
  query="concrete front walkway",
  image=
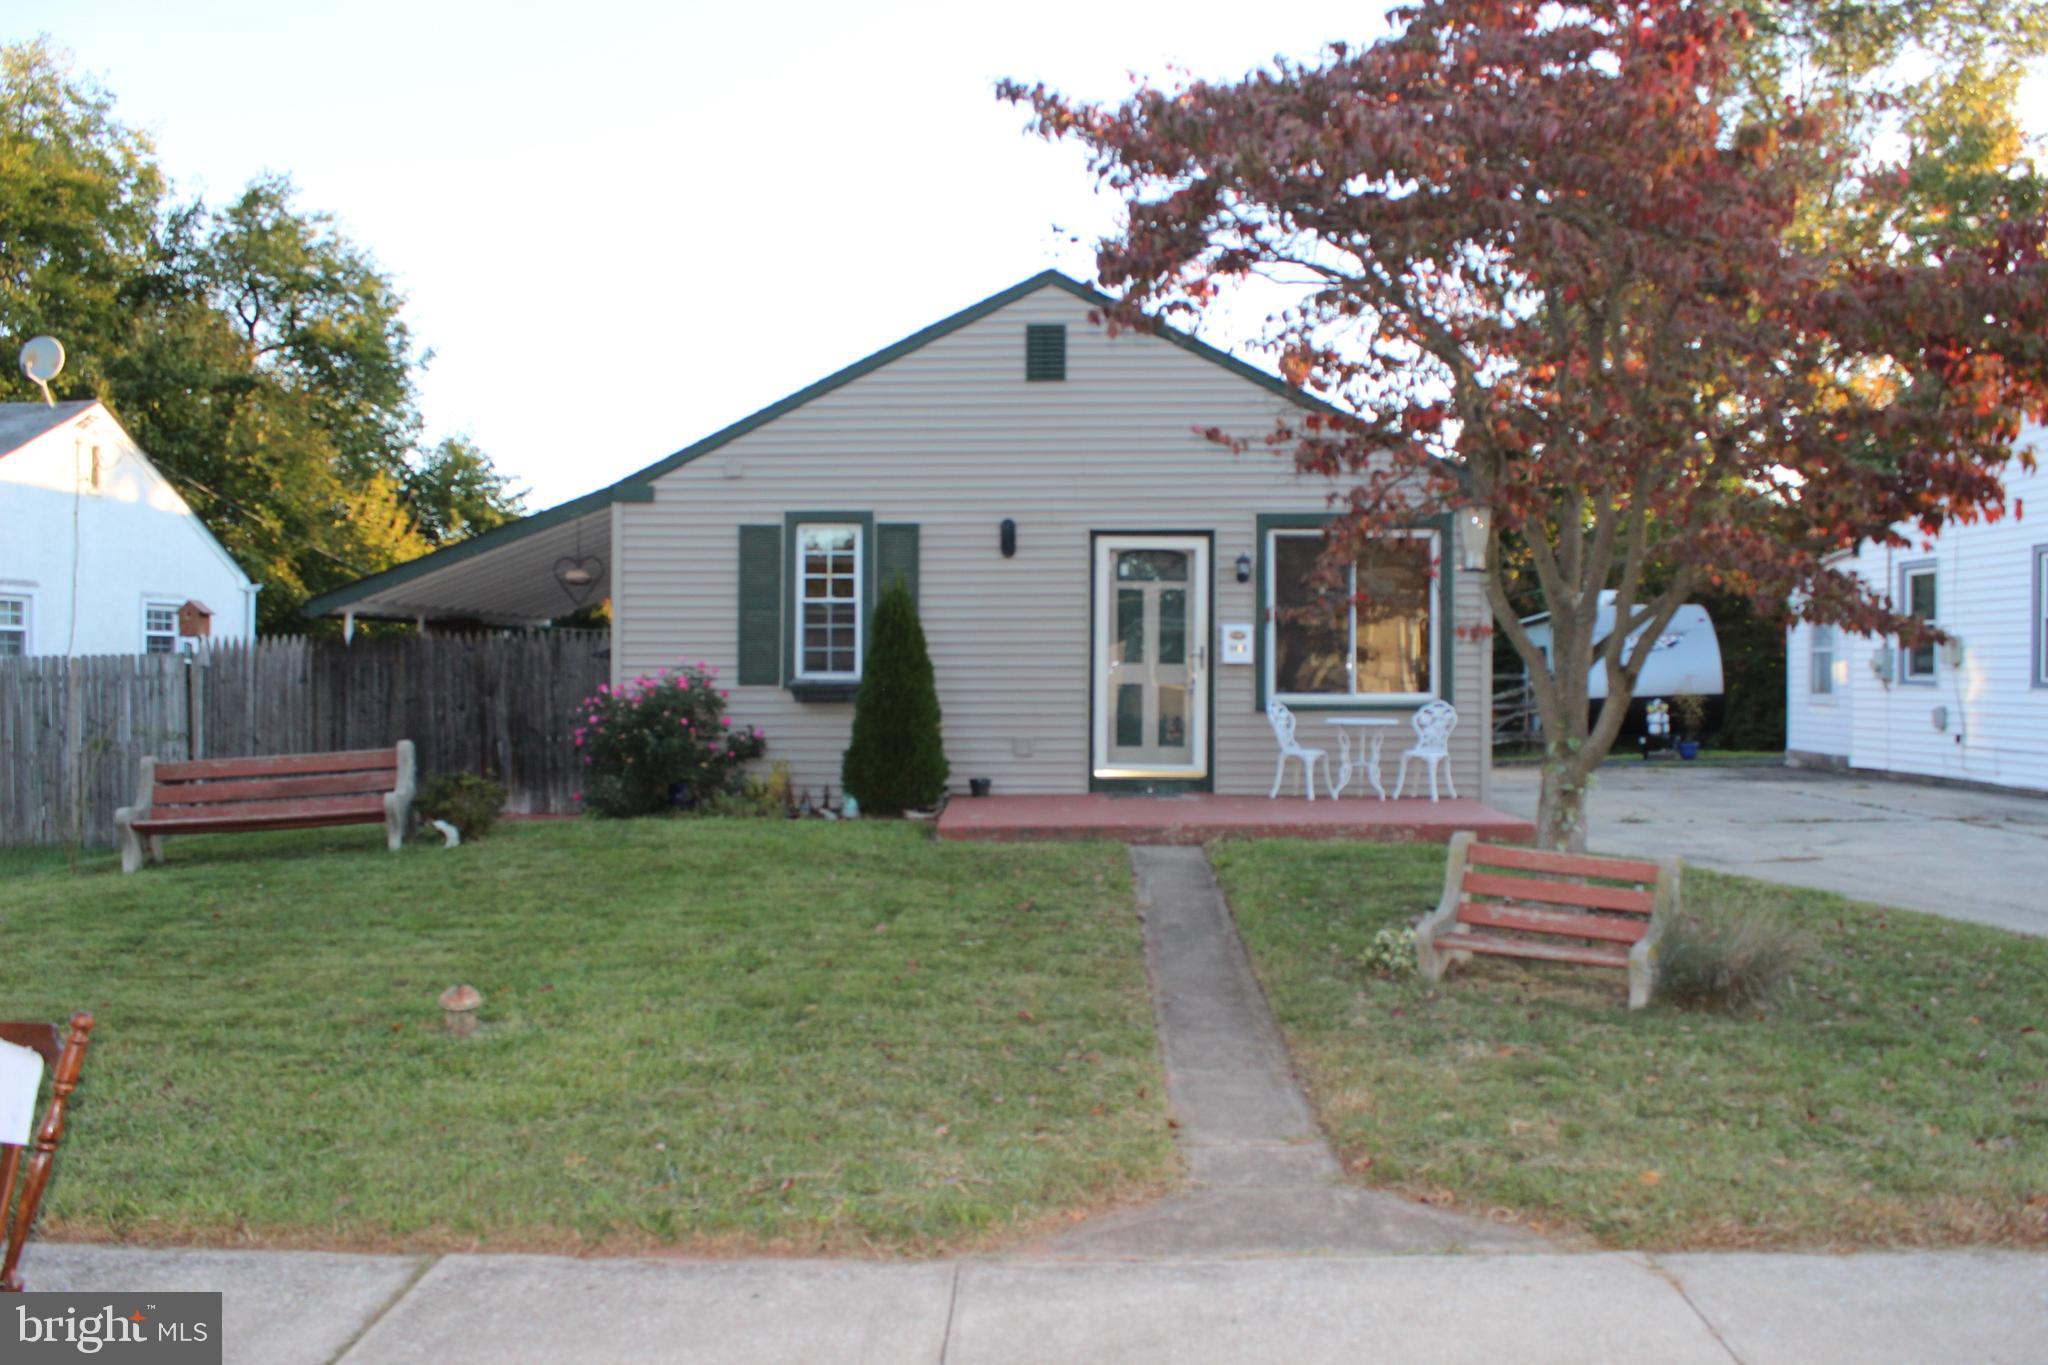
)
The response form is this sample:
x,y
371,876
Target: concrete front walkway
x,y
310,1308
1970,855
1263,1178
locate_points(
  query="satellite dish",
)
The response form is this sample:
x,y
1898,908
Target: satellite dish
x,y
42,359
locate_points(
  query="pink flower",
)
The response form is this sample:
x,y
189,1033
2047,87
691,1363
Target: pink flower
x,y
714,670
586,760
700,665
724,696
724,724
579,739
604,689
576,796
757,732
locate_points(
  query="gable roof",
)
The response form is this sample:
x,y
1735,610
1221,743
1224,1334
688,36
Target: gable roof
x,y
21,423
637,486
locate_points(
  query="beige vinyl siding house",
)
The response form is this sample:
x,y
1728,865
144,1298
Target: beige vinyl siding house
x,y
1128,533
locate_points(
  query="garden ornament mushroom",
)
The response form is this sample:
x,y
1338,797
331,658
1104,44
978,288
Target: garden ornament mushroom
x,y
458,1009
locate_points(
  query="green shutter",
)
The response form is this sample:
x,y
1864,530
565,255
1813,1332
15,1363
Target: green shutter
x,y
761,605
896,555
1045,352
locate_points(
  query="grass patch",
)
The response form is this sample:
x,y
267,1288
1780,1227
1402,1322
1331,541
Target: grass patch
x,y
709,1034
1894,1093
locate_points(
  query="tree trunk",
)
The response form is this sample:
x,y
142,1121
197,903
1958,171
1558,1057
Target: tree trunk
x,y
1561,809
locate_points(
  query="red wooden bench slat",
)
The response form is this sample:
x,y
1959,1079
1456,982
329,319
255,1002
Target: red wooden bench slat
x,y
204,769
262,813
1585,956
1625,898
271,788
1562,864
1531,919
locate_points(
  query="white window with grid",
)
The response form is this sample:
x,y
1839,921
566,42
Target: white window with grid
x,y
13,625
1917,590
160,628
1821,658
828,603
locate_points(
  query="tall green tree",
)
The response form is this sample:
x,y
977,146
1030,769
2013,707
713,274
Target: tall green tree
x,y
259,355
79,199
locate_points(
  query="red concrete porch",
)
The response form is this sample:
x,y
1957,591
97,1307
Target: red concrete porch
x,y
1199,817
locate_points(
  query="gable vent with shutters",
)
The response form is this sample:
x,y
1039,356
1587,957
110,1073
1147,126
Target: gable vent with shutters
x,y
1045,352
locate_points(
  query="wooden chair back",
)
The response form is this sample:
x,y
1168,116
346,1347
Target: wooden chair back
x,y
18,1216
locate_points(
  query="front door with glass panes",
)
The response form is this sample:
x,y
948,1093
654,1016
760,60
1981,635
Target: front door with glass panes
x,y
1151,707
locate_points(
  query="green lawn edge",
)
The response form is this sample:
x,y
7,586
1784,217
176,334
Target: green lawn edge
x,y
1896,1096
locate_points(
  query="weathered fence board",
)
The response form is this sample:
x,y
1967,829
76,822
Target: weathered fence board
x,y
72,731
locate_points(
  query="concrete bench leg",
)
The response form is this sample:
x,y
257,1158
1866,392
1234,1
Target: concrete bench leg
x,y
131,848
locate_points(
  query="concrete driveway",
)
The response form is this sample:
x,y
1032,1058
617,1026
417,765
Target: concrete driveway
x,y
1966,854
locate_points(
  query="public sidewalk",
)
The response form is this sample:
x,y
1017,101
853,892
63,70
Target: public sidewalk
x,y
307,1308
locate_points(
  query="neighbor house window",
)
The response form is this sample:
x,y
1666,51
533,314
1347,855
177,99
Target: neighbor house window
x,y
1821,657
160,628
2041,616
1916,590
828,604
13,627
1321,645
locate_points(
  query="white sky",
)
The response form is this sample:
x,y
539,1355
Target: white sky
x,y
623,225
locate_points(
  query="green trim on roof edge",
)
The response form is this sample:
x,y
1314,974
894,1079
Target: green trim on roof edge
x,y
637,486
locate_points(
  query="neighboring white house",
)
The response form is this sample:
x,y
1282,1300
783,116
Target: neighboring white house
x,y
1974,710
98,553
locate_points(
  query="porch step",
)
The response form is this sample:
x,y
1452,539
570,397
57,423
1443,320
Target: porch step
x,y
1497,945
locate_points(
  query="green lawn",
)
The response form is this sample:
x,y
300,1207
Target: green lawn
x,y
696,1033
1897,1095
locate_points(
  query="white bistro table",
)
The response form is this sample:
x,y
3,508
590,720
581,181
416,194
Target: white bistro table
x,y
1368,750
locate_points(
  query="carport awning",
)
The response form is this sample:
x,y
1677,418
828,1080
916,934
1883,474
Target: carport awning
x,y
504,577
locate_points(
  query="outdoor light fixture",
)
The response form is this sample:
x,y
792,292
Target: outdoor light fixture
x,y
1009,538
1475,528
1244,568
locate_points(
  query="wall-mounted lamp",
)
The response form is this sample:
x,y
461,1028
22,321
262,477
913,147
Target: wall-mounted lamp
x,y
1009,538
1475,528
1244,568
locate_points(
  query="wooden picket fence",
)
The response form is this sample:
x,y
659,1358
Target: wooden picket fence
x,y
73,730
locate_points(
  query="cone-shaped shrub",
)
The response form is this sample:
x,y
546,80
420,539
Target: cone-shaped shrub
x,y
897,761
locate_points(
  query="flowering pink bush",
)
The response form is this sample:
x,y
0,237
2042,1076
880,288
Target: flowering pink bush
x,y
660,732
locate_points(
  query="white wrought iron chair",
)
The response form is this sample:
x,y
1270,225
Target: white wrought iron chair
x,y
1433,725
1282,721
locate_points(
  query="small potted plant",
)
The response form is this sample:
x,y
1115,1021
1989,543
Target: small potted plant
x,y
1690,711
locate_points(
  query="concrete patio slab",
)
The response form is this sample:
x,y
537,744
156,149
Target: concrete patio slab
x,y
1969,855
277,1308
1199,817
1574,1310
515,1309
1872,1308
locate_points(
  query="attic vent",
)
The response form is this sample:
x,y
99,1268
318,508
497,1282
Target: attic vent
x,y
1045,352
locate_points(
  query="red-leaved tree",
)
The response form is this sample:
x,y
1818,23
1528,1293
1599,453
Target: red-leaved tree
x,y
1543,276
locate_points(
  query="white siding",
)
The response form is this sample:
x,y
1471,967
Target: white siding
x,y
952,438
129,541
1994,712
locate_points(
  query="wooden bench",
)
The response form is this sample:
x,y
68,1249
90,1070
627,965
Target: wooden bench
x,y
1596,912
62,1065
284,791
